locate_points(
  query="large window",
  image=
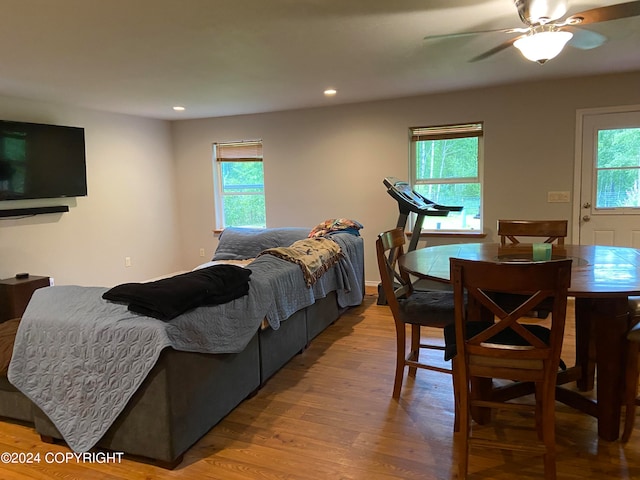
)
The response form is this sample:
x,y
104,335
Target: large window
x,y
618,168
239,184
446,166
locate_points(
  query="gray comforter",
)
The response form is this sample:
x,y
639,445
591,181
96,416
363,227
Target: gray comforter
x,y
80,358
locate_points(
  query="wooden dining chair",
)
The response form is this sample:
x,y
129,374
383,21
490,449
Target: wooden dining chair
x,y
632,374
506,348
410,307
551,230
512,231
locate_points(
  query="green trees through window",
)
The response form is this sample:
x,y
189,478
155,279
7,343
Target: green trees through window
x,y
239,185
446,170
618,168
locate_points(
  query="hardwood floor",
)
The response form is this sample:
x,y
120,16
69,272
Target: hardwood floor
x,y
328,414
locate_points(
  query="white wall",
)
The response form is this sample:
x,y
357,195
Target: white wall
x,y
130,209
330,162
150,182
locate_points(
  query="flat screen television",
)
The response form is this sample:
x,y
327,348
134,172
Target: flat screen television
x,y
41,161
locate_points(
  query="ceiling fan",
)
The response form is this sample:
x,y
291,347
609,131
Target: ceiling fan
x,y
545,33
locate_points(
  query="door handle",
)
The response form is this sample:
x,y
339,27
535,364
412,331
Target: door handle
x,y
586,218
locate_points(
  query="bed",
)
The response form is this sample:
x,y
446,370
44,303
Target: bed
x,y
101,375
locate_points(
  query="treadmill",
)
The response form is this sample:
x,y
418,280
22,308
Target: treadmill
x,y
410,201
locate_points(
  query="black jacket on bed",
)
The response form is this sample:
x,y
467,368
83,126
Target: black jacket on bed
x,y
167,298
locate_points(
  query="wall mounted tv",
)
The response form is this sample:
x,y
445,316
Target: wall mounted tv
x,y
41,161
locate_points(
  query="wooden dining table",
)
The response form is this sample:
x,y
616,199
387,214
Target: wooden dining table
x,y
602,279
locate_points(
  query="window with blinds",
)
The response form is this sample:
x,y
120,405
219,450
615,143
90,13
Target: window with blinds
x,y
446,168
239,184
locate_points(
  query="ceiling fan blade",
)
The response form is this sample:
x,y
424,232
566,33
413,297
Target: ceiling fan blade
x,y
586,39
478,32
504,45
604,14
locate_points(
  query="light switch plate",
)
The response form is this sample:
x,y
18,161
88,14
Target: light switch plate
x,y
558,197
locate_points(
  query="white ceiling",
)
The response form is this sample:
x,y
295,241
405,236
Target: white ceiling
x,y
227,57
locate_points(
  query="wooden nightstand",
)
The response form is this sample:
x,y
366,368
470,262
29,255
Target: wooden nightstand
x,y
16,293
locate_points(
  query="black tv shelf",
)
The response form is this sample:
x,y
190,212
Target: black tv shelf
x,y
20,212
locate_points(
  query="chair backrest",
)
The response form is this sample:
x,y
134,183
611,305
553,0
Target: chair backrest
x,y
395,283
506,349
553,230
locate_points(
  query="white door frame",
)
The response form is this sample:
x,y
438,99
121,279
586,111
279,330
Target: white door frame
x,y
577,166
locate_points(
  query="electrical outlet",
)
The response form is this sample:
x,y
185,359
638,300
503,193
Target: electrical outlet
x,y
558,197
127,261
202,252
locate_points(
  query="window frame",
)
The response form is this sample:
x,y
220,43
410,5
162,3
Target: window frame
x,y
445,132
231,152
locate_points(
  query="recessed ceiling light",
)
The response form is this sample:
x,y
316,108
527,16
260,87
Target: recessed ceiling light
x,y
330,92
179,108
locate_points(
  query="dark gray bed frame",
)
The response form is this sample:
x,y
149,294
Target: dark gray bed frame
x,y
186,394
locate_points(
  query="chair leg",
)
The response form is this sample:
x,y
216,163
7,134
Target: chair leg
x,y
548,428
456,397
415,348
539,416
462,418
550,460
631,389
401,355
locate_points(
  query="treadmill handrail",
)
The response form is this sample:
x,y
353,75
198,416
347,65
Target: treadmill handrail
x,y
411,201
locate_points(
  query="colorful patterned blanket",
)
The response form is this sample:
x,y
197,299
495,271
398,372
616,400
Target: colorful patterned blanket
x,y
314,256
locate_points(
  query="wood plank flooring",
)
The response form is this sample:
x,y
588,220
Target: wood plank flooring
x,y
329,414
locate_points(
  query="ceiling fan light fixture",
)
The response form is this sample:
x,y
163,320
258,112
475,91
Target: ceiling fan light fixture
x,y
542,46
